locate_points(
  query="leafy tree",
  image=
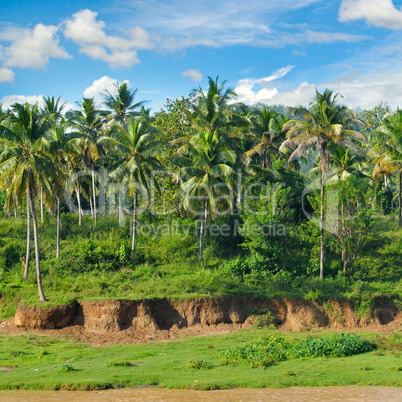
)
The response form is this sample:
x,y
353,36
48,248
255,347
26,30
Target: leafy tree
x,y
354,222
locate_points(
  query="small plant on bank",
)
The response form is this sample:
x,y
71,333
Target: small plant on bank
x,y
199,365
120,363
261,353
67,367
264,320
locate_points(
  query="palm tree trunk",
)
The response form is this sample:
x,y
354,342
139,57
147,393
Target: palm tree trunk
x,y
134,228
94,195
58,228
121,215
91,206
399,199
323,181
203,220
79,203
41,206
15,210
26,263
36,242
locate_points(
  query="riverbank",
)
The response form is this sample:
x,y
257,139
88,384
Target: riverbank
x,y
35,362
239,394
128,321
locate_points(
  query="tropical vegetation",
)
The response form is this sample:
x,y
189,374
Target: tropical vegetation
x,y
239,197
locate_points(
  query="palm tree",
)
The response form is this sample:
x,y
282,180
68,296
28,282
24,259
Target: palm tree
x,y
388,146
212,110
266,135
88,123
52,110
25,166
323,123
122,105
133,150
62,149
204,176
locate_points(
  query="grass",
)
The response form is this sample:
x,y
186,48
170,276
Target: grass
x,y
52,364
167,266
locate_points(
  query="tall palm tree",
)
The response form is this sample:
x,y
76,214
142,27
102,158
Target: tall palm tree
x,y
122,105
88,122
211,110
267,135
25,166
62,149
388,145
323,123
134,150
205,175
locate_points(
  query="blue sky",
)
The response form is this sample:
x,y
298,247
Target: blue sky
x,y
270,51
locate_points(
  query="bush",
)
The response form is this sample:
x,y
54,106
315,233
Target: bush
x,y
198,365
261,353
12,254
338,345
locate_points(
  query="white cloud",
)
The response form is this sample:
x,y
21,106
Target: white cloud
x,y
31,48
6,75
380,13
86,31
281,39
98,88
9,100
194,74
250,90
364,91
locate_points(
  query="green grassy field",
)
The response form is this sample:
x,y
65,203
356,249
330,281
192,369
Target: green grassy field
x,y
35,362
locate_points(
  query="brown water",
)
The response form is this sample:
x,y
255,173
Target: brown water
x,y
351,393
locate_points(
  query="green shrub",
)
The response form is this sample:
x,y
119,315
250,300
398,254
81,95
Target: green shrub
x,y
338,345
67,367
264,319
261,353
198,365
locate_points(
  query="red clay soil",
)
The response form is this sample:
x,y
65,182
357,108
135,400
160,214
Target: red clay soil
x,y
127,321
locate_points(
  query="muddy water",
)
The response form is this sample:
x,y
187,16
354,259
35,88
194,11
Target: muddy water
x,y
351,393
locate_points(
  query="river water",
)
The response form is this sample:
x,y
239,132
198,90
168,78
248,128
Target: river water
x,y
350,393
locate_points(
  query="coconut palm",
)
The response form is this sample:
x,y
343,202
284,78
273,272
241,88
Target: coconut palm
x,y
62,148
207,169
122,105
388,146
51,110
134,150
267,135
25,166
211,110
88,122
323,123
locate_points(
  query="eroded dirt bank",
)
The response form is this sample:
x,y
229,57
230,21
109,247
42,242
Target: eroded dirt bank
x,y
105,321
